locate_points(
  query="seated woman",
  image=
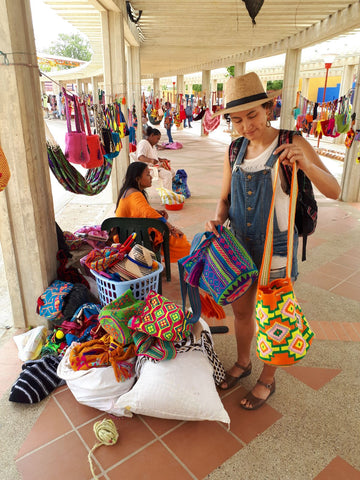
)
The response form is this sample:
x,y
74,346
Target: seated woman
x,y
133,202
146,152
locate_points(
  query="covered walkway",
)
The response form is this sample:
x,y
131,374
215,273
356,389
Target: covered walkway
x,y
308,430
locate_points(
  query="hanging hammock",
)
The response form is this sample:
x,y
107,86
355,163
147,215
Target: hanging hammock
x,y
93,183
210,124
95,180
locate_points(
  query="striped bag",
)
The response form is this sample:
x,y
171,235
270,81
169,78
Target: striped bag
x,y
219,265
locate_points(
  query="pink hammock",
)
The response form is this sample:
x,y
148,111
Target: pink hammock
x,y
209,123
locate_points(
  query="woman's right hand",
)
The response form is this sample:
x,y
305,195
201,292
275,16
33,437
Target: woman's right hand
x,y
211,225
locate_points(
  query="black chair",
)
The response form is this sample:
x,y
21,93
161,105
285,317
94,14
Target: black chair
x,y
125,226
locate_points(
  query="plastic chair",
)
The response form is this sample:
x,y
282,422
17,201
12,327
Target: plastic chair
x,y
126,226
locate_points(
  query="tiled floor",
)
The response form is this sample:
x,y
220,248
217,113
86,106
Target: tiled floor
x,y
151,448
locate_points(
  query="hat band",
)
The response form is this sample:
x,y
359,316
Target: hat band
x,y
139,263
251,98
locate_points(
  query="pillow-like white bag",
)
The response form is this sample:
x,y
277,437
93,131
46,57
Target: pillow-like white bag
x,y
30,343
96,387
182,388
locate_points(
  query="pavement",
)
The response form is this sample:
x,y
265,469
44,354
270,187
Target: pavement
x,y
310,427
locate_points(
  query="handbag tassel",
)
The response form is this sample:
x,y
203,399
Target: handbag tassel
x,y
210,309
195,274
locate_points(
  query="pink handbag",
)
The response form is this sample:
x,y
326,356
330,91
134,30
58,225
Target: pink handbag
x,y
93,142
76,148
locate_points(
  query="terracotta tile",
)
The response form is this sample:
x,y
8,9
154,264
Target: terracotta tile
x,y
133,435
77,412
330,332
64,459
338,469
51,424
340,331
335,270
248,425
355,279
354,252
351,331
313,377
155,461
202,446
348,290
347,260
318,329
160,425
320,280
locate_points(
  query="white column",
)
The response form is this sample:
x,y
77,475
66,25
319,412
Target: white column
x,y
136,87
290,87
305,87
115,83
95,87
206,88
350,185
214,87
239,68
156,87
180,84
27,222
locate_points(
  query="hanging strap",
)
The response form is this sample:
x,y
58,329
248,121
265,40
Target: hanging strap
x,y
67,110
264,274
87,121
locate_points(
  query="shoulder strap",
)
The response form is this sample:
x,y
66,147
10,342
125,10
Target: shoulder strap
x,y
237,151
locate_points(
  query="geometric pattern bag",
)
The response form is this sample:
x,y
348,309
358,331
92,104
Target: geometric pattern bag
x,y
283,333
219,265
4,171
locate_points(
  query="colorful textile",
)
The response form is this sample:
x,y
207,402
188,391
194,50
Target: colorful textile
x,y
100,260
210,123
168,197
152,347
114,317
161,318
51,302
219,265
102,352
179,183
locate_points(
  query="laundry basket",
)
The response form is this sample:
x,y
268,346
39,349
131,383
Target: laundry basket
x,y
110,289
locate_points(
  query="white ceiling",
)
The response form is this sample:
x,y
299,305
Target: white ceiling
x,y
185,36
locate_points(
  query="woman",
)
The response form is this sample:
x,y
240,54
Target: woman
x,y
146,152
132,202
245,200
168,121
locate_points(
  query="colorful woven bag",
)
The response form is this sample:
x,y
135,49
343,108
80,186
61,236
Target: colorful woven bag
x,y
219,265
51,302
283,333
114,317
161,318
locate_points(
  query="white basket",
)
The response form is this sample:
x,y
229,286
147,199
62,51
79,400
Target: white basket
x,y
110,289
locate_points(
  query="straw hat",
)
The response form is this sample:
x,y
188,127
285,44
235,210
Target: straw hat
x,y
139,262
244,92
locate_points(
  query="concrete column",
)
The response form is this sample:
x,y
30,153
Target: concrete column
x,y
115,84
214,87
180,84
95,87
239,68
136,87
206,88
27,225
79,88
350,184
156,87
305,87
86,86
290,87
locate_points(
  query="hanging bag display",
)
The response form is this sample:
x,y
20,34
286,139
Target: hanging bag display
x,y
4,171
93,142
76,149
283,333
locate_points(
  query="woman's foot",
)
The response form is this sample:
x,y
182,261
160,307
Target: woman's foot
x,y
234,375
258,395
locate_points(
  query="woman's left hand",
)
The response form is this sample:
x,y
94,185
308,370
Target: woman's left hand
x,y
163,213
290,153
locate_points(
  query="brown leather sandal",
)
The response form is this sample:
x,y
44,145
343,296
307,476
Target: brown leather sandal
x,y
256,402
231,381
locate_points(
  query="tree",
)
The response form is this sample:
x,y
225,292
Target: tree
x,y
72,46
230,71
197,87
274,85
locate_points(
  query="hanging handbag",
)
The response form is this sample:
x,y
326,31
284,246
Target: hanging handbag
x,y
283,333
4,171
219,265
76,148
93,142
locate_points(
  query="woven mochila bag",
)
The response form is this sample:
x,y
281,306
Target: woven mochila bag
x,y
283,333
219,265
4,171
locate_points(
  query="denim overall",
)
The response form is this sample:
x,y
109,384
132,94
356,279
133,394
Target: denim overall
x,y
251,194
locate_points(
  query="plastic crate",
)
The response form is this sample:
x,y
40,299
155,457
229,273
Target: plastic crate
x,y
110,289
